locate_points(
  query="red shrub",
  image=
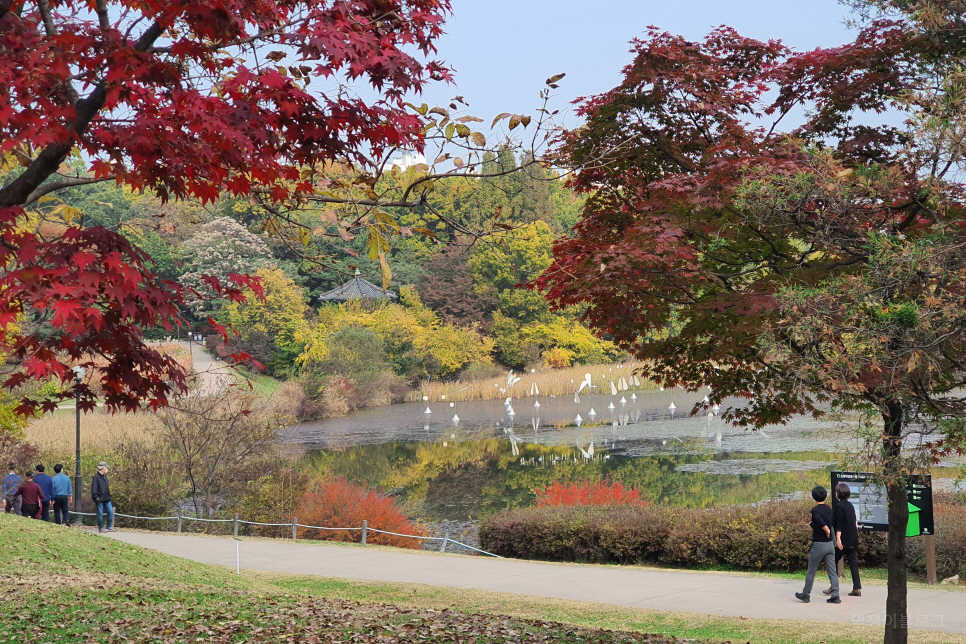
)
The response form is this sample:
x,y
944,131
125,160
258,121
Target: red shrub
x,y
588,493
338,503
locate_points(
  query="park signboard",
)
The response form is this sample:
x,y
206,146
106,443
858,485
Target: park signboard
x,y
871,502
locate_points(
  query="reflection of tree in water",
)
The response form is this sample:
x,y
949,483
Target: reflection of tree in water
x,y
475,478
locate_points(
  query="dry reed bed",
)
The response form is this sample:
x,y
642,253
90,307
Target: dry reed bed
x,y
556,382
100,431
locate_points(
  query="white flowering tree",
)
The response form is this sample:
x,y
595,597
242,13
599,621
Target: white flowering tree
x,y
220,248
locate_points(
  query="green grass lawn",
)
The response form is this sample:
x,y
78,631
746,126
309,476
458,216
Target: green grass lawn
x,y
69,585
262,384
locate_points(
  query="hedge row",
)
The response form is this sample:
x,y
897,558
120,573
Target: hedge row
x,y
773,536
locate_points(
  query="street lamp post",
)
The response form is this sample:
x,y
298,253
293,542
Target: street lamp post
x,y
78,377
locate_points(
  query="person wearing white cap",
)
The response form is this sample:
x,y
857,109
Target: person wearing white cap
x,y
101,494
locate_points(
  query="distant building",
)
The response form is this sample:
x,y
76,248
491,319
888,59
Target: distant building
x,y
357,289
405,159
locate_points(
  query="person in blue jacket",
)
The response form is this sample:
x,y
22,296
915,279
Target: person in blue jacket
x,y
11,483
63,495
46,484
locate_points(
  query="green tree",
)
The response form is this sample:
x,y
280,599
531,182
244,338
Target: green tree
x,y
517,257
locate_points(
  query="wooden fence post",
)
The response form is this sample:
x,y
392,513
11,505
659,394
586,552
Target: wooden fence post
x,y
180,519
365,529
445,541
234,529
295,522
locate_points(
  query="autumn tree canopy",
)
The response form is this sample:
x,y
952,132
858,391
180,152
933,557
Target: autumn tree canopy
x,y
186,99
798,261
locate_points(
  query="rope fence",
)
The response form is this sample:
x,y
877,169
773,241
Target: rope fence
x,y
236,522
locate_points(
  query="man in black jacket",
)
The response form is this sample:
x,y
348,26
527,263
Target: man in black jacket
x,y
846,536
823,549
101,494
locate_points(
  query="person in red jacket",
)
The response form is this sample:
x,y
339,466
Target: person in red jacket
x,y
32,497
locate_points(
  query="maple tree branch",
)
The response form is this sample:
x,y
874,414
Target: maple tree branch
x,y
66,182
261,35
47,162
101,8
44,7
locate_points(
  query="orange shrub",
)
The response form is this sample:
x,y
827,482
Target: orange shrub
x,y
338,503
588,493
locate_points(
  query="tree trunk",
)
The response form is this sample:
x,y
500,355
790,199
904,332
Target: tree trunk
x,y
896,620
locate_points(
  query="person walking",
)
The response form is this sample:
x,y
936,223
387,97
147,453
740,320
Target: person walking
x,y
63,494
846,536
823,550
43,479
32,497
101,494
11,482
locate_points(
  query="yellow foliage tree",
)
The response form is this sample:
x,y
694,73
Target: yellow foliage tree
x,y
278,320
418,344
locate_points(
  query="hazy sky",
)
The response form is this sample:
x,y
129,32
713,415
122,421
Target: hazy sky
x,y
503,50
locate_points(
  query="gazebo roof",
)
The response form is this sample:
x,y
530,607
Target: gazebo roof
x,y
357,288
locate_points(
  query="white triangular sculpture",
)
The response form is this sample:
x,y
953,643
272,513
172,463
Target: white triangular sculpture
x,y
578,420
610,406
427,411
592,412
536,404
510,412
456,419
623,400
633,396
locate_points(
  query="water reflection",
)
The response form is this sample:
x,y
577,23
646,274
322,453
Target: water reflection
x,y
468,459
471,478
643,423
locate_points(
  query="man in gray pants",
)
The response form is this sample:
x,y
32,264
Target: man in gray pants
x,y
823,549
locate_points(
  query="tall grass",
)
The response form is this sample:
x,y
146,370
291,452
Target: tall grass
x,y
54,434
555,382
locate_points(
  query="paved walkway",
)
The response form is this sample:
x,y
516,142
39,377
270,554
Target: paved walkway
x,y
706,593
214,375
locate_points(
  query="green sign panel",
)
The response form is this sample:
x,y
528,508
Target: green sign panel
x,y
871,502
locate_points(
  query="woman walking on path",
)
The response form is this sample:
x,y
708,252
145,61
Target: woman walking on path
x,y
32,497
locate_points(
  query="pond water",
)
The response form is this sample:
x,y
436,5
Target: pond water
x,y
487,459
